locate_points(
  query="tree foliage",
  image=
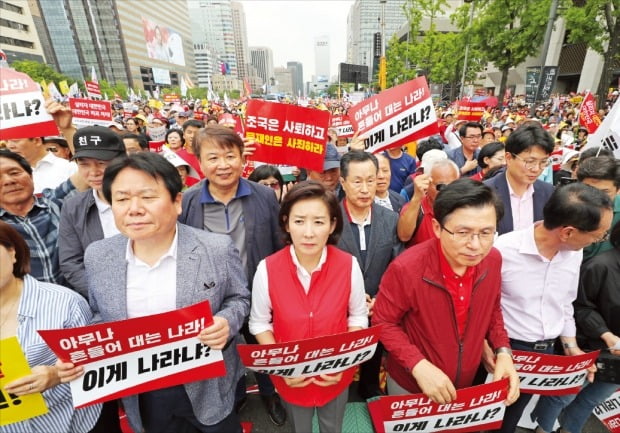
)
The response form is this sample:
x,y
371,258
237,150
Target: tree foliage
x,y
509,31
436,54
597,23
40,71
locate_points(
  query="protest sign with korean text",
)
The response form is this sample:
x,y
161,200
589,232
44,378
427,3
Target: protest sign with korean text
x,y
607,134
475,409
396,116
588,115
92,89
88,112
287,134
343,126
312,357
22,108
13,365
471,111
608,412
552,374
137,355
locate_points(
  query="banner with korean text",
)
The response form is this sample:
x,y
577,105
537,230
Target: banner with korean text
x,y
92,89
588,115
137,355
312,357
607,134
476,408
13,366
22,108
343,126
471,111
544,374
88,112
287,134
396,116
608,412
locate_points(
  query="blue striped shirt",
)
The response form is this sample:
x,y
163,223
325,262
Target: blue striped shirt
x,y
48,306
40,231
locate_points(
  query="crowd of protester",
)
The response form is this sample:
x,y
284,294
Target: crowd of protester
x,y
493,235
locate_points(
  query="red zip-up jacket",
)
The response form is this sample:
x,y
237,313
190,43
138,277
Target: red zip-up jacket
x,y
419,321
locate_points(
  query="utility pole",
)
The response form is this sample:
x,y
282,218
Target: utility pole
x,y
382,62
471,19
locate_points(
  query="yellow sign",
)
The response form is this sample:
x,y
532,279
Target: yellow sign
x,y
13,365
64,87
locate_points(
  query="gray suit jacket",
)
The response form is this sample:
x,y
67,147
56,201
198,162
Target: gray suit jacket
x,y
80,226
208,267
382,246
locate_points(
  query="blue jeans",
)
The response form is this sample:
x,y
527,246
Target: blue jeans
x,y
572,411
514,411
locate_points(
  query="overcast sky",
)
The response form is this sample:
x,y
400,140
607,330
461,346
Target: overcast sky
x,y
289,29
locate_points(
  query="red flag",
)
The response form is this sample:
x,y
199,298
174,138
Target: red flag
x,y
588,116
246,87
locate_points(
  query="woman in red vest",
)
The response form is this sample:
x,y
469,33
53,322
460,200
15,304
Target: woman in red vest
x,y
309,289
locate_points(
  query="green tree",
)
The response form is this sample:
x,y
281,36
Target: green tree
x,y
40,71
597,23
508,31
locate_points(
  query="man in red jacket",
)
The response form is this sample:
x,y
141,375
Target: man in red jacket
x,y
439,300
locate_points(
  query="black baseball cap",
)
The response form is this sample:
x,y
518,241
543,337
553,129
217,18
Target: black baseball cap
x,y
97,142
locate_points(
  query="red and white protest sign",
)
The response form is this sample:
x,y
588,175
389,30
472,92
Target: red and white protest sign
x,y
137,355
172,98
88,112
92,88
471,111
287,134
396,116
609,412
312,357
343,125
552,374
475,409
588,116
22,108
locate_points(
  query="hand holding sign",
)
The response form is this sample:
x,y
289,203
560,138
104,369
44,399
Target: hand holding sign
x,y
298,382
505,369
216,335
42,377
67,372
433,382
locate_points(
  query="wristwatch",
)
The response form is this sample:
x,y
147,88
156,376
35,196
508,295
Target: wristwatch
x,y
569,345
507,350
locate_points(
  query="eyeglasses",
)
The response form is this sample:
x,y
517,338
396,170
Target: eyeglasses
x,y
603,238
533,163
464,236
473,137
274,185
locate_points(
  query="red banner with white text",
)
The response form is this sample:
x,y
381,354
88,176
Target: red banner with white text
x,y
22,108
471,111
287,134
137,355
588,115
343,126
88,112
608,412
93,90
312,357
552,374
476,408
396,116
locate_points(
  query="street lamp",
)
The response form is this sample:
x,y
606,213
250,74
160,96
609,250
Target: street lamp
x,y
471,19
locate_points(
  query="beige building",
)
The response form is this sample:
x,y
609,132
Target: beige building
x,y
18,35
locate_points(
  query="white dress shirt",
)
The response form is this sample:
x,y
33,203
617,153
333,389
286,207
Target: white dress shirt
x,y
537,293
261,312
51,171
522,208
106,217
151,289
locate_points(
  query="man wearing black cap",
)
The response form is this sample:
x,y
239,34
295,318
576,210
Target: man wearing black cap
x,y
87,217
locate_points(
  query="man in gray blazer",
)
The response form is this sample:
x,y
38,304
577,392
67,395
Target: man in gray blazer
x,y
158,265
369,234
